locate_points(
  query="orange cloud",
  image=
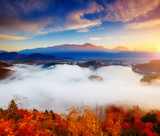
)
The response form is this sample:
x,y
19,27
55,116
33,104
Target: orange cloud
x,y
146,24
7,37
93,7
128,10
15,25
108,38
76,19
95,38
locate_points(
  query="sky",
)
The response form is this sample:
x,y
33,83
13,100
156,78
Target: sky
x,y
27,24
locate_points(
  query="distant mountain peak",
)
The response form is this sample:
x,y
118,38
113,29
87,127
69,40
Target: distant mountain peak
x,y
88,44
93,47
120,48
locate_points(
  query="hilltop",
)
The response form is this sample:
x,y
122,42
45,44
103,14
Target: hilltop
x,y
151,71
148,68
120,48
7,56
4,72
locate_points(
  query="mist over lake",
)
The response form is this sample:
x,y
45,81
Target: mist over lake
x,y
63,86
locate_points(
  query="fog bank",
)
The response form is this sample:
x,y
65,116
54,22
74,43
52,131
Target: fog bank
x,y
65,86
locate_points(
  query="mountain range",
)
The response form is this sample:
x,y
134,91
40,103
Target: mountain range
x,y
68,56
69,52
72,48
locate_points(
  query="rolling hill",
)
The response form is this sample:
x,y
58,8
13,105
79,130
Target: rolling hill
x,y
35,57
148,68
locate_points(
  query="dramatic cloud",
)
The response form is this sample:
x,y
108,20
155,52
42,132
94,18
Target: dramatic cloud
x,y
17,26
64,86
19,18
34,17
19,7
94,38
76,19
7,37
146,24
32,5
128,10
93,7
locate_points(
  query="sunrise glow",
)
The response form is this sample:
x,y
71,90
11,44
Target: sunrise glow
x,y
26,24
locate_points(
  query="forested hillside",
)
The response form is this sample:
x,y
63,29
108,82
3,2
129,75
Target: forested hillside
x,y
115,121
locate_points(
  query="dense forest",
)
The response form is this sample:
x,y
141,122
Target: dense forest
x,y
82,121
